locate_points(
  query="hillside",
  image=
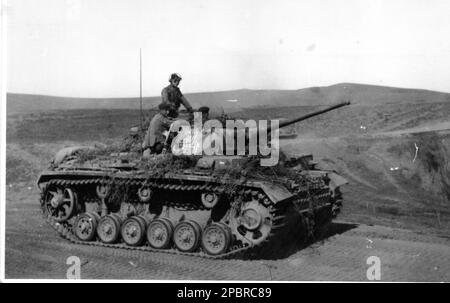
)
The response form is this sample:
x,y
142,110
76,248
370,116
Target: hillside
x,y
236,99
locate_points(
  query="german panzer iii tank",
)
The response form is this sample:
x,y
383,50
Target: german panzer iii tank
x,y
208,206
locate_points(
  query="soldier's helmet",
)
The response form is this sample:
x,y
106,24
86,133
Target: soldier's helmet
x,y
175,77
204,109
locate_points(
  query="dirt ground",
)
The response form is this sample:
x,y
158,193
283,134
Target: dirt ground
x,y
396,205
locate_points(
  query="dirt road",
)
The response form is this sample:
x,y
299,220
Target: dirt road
x,y
34,250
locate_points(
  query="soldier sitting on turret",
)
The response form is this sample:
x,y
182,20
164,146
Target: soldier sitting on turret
x,y
172,95
154,139
205,113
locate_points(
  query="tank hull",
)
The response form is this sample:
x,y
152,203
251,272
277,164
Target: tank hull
x,y
206,216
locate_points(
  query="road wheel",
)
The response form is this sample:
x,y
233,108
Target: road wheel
x,y
187,236
108,229
159,233
216,238
85,226
133,231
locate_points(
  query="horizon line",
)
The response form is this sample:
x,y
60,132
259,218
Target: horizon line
x,y
232,90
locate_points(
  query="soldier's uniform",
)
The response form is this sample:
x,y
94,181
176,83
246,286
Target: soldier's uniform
x,y
154,139
172,95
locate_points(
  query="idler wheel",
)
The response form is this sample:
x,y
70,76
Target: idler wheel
x,y
216,238
144,193
186,236
108,229
103,191
85,226
159,233
209,200
60,203
133,230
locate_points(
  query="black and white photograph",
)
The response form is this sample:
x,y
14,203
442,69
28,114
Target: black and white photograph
x,y
225,141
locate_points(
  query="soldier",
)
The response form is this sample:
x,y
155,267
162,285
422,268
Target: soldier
x,y
205,113
172,95
154,139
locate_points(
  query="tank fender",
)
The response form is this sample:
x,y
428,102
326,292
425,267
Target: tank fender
x,y
336,180
275,192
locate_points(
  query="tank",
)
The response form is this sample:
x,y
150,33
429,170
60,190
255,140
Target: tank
x,y
206,206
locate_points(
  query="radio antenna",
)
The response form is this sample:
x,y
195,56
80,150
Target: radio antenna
x,y
140,85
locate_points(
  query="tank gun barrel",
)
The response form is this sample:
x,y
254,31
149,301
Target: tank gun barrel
x,y
307,116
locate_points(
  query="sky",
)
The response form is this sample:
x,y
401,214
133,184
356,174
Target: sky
x,y
90,48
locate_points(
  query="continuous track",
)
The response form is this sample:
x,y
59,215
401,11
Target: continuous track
x,y
284,227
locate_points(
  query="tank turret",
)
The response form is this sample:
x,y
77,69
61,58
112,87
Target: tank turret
x,y
237,135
